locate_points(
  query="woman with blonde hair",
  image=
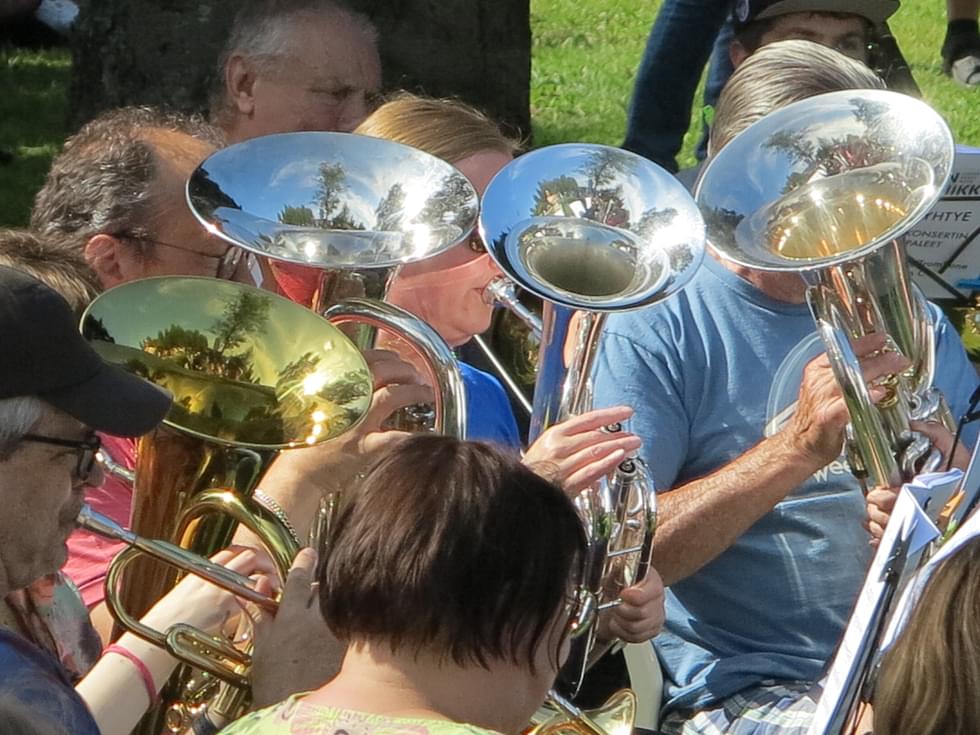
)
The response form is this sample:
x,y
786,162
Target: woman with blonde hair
x,y
930,677
449,291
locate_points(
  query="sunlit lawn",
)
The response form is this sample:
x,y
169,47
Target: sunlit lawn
x,y
585,55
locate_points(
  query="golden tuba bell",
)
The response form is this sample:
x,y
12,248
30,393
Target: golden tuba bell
x,y
592,230
833,181
252,374
352,209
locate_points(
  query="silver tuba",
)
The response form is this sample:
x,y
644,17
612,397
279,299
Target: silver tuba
x,y
352,209
592,230
823,188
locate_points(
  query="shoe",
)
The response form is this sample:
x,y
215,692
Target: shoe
x,y
966,70
961,58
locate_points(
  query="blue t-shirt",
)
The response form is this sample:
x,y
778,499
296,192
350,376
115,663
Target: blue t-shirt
x,y
490,417
33,679
710,373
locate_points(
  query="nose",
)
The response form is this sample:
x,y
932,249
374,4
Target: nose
x,y
96,477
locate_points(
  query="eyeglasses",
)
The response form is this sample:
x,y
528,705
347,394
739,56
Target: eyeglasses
x,y
86,449
227,262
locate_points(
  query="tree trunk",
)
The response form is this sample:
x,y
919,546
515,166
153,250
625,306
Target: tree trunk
x,y
163,52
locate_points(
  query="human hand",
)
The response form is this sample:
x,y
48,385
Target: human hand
x,y
816,429
640,616
880,504
942,439
295,651
299,477
577,452
200,603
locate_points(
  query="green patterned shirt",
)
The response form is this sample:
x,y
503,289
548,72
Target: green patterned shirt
x,y
297,717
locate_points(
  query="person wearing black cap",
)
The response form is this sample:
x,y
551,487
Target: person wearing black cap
x,y
680,42
843,25
55,393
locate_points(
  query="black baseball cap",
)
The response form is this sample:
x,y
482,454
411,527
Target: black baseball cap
x,y
875,11
43,354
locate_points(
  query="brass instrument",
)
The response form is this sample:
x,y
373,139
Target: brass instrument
x,y
355,209
183,641
251,374
592,230
835,180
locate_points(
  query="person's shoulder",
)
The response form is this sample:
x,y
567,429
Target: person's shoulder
x,y
32,681
480,380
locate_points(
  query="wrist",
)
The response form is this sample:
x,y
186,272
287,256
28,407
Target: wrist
x,y
793,449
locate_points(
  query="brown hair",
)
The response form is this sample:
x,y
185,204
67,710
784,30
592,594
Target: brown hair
x,y
101,181
930,676
777,75
447,129
55,264
454,548
749,36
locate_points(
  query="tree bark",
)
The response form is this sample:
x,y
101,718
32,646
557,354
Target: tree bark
x,y
162,52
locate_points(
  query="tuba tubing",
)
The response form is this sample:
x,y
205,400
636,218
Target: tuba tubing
x,y
861,171
184,642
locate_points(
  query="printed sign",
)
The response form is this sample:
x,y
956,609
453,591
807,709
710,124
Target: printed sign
x,y
944,239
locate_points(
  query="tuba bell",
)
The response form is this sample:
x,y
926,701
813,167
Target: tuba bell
x,y
592,230
352,209
834,181
252,374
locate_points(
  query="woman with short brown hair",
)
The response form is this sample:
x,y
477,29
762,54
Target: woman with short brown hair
x,y
452,577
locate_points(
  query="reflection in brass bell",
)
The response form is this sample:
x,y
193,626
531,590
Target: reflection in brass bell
x,y
246,367
615,717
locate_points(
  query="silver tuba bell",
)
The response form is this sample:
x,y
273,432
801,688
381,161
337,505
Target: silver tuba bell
x,y
352,209
592,230
823,188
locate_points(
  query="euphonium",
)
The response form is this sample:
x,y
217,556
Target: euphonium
x,y
251,374
833,181
592,230
181,640
355,209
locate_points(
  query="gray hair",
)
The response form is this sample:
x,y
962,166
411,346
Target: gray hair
x,y
17,417
261,31
779,74
100,183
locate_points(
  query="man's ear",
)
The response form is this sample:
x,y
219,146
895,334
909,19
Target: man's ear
x,y
239,80
111,259
737,53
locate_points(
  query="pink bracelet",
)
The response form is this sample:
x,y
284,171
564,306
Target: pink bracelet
x,y
144,672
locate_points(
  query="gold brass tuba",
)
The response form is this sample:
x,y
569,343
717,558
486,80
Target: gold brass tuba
x,y
592,230
823,188
251,374
353,209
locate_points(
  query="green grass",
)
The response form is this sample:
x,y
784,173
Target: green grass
x,y
33,108
585,55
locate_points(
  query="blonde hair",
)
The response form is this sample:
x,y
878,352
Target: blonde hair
x,y
777,75
930,676
448,129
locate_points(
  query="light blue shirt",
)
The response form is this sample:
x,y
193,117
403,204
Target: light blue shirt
x,y
710,373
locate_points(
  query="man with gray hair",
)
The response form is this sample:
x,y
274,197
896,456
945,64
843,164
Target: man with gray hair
x,y
292,65
760,538
115,195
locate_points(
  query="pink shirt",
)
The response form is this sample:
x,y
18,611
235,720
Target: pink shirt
x,y
88,554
